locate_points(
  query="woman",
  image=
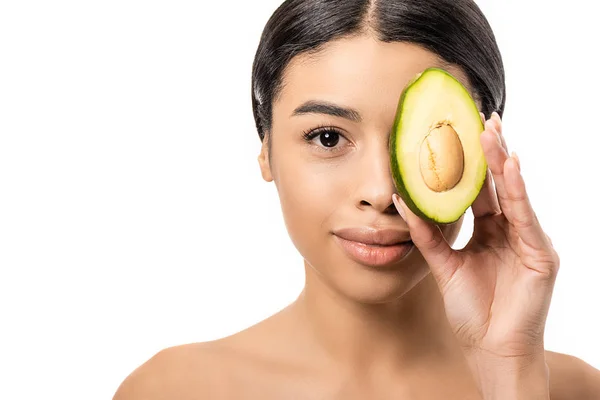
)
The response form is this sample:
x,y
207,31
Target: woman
x,y
430,322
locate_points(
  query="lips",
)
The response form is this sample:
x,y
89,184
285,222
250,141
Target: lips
x,y
374,247
372,236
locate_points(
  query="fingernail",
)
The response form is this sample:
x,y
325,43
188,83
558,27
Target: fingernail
x,y
396,199
482,115
493,128
516,157
497,122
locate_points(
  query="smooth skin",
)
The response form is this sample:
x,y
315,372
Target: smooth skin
x,y
441,323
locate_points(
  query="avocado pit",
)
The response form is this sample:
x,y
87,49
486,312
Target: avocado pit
x,y
441,158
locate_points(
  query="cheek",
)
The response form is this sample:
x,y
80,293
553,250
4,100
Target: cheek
x,y
310,192
305,194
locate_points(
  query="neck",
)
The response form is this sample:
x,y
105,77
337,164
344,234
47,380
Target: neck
x,y
410,329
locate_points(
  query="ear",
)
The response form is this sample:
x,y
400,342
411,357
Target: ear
x,y
263,160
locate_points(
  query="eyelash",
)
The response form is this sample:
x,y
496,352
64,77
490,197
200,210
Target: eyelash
x,y
310,134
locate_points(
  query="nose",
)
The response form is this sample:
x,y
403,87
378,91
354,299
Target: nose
x,y
376,185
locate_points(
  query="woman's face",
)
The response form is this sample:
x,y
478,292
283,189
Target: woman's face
x,y
341,177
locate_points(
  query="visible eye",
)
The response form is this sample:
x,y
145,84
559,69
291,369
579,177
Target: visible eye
x,y
328,137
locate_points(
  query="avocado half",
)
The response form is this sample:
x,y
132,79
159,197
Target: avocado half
x,y
437,160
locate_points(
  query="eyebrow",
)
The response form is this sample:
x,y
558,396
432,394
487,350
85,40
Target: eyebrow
x,y
323,107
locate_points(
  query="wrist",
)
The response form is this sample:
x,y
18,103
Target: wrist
x,y
515,378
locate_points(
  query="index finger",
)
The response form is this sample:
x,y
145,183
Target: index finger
x,y
443,260
521,215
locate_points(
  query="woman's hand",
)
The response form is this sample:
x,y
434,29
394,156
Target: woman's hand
x,y
497,289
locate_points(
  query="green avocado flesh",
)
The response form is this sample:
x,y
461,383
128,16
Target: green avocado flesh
x,y
437,160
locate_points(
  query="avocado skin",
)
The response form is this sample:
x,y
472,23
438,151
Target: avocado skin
x,y
397,177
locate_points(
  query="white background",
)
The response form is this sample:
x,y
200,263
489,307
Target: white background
x,y
132,213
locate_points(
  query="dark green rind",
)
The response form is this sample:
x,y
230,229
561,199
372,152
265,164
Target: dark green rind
x,y
397,177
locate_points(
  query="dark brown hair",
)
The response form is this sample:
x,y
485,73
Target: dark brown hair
x,y
455,30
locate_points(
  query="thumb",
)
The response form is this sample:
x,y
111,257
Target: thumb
x,y
428,238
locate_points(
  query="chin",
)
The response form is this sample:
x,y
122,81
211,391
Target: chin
x,y
372,285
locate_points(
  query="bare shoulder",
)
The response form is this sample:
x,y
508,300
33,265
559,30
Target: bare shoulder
x,y
572,378
229,367
183,372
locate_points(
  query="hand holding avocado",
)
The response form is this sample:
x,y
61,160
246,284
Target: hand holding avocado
x,y
497,289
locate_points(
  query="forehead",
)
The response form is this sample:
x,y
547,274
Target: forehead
x,y
360,71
